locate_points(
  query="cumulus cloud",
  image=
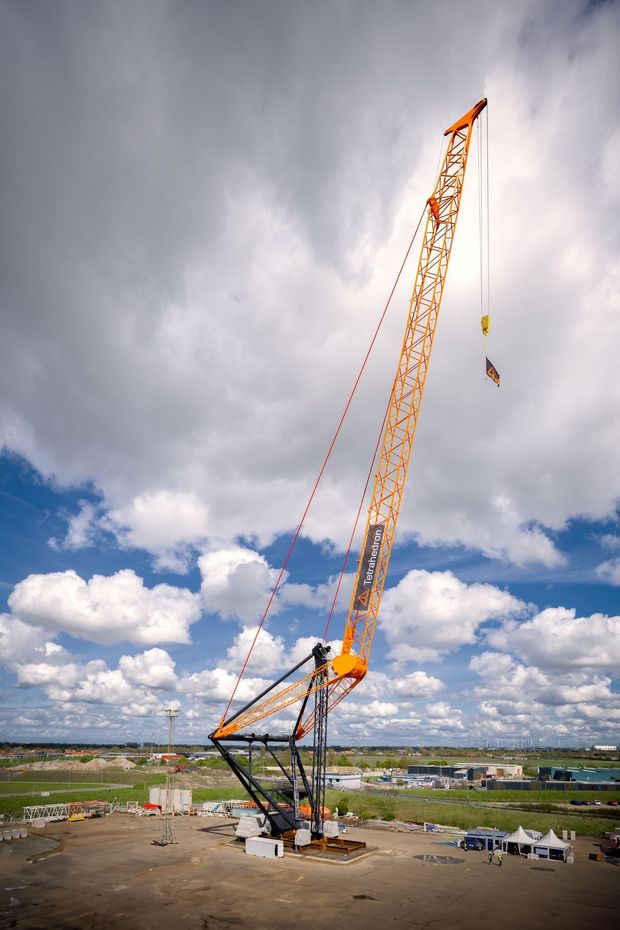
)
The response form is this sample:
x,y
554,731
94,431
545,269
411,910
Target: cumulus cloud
x,y
374,709
506,678
609,571
81,529
579,689
399,684
557,639
365,722
429,614
513,696
153,668
319,596
236,582
49,675
20,641
105,609
145,707
217,685
70,683
610,541
91,683
99,685
416,684
441,711
267,657
164,522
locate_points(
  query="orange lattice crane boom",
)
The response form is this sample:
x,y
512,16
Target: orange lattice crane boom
x,y
338,675
406,399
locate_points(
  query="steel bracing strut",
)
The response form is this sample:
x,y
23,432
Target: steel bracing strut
x,y
280,802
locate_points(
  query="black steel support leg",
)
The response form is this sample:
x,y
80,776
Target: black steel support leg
x,y
319,760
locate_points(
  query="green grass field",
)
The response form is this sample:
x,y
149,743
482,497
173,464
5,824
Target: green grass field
x,y
459,815
23,787
365,804
507,796
140,793
60,781
497,758
575,763
106,776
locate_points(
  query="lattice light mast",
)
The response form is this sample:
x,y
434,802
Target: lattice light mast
x,y
167,836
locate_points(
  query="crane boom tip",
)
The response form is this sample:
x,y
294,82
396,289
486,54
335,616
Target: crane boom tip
x,y
468,118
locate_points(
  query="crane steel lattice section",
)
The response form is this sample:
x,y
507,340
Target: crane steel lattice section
x,y
406,398
344,672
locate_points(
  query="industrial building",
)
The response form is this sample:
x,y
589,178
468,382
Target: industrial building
x,y
343,776
504,771
464,772
535,784
590,774
481,838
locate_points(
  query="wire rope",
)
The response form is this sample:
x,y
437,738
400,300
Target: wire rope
x,y
359,510
322,470
480,199
488,193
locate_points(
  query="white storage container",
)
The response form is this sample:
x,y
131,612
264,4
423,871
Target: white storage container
x,y
179,799
265,847
303,837
330,829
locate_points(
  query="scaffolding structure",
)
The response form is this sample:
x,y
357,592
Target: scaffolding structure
x,y
50,812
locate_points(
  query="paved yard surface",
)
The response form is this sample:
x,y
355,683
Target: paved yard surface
x,y
108,874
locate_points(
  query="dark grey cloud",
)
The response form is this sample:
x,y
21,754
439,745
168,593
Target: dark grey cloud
x,y
205,203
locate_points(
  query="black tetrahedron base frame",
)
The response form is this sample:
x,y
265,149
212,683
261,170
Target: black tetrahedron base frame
x,y
279,801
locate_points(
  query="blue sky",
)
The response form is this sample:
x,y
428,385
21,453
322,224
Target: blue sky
x,y
200,231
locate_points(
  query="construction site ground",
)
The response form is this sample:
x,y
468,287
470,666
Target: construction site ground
x,y
108,873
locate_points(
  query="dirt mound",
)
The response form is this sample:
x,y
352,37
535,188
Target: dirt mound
x,y
121,763
93,765
74,765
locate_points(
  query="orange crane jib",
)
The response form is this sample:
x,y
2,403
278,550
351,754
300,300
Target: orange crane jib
x,y
342,673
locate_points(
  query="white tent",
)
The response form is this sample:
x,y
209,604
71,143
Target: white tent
x,y
520,839
552,841
551,846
